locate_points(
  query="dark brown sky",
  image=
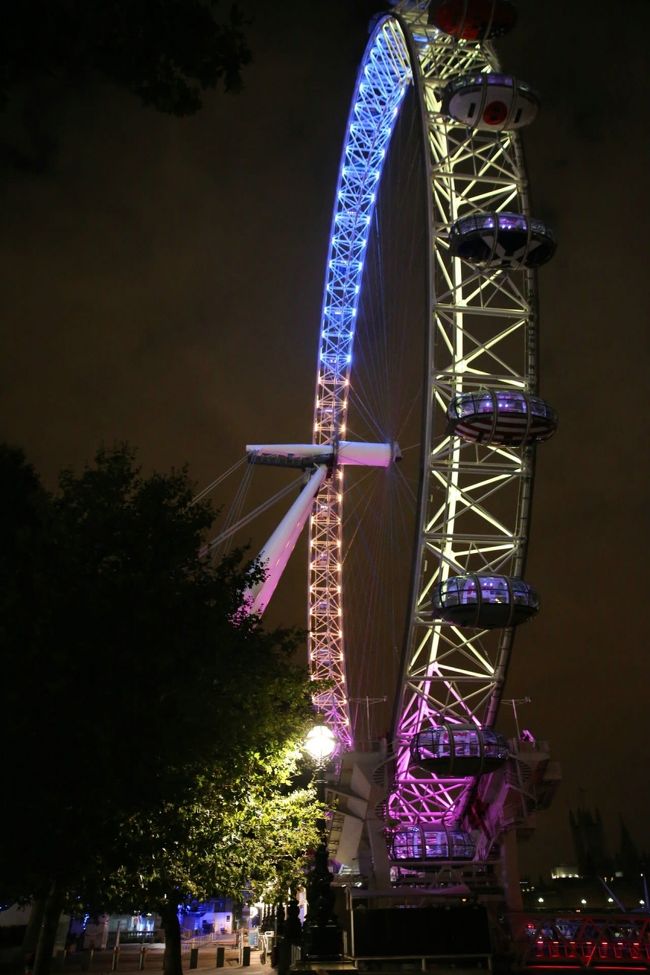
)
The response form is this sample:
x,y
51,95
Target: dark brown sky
x,y
162,284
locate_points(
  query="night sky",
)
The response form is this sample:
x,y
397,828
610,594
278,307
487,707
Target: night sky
x,y
162,285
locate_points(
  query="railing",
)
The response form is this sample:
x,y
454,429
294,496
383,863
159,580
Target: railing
x,y
571,940
425,962
196,940
136,957
132,937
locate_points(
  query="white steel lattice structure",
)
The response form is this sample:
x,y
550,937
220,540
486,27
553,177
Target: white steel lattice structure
x,y
474,500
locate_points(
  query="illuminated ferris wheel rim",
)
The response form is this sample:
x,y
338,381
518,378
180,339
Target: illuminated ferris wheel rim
x,y
368,133
404,49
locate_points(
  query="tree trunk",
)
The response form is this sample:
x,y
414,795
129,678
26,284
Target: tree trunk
x,y
33,931
172,959
51,915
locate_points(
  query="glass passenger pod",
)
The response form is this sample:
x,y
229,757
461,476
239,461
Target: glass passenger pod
x,y
490,102
505,417
459,750
431,843
507,240
473,20
485,602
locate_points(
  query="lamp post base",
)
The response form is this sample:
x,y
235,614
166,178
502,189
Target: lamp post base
x,y
322,942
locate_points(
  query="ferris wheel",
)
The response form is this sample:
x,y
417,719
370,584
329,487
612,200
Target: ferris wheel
x,y
481,416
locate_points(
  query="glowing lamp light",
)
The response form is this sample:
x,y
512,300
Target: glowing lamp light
x,y
320,743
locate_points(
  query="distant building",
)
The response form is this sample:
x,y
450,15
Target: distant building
x,y
564,872
589,843
628,859
590,847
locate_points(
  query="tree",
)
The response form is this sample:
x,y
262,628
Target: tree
x,y
248,836
23,514
143,712
167,52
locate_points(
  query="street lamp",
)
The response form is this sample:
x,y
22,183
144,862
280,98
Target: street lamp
x,y
515,701
322,937
320,744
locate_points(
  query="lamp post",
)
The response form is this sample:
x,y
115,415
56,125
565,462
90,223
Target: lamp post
x,y
322,936
515,701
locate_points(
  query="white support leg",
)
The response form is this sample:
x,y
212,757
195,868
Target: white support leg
x,y
277,550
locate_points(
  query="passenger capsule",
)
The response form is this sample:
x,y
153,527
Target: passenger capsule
x,y
473,20
421,843
506,417
508,240
459,750
490,102
484,601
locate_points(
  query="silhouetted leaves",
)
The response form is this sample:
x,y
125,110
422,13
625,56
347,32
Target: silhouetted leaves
x,y
147,726
167,52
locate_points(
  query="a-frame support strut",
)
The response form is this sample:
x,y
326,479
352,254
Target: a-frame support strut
x,y
320,458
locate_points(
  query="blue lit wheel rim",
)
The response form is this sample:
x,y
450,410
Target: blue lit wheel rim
x,y
474,499
381,85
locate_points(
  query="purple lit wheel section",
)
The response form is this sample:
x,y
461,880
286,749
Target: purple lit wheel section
x,y
473,20
490,102
484,602
501,416
459,750
430,843
502,240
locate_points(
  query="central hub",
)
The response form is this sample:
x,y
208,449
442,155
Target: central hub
x,y
345,453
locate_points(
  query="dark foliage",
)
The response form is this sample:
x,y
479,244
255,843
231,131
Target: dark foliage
x,y
131,688
167,52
